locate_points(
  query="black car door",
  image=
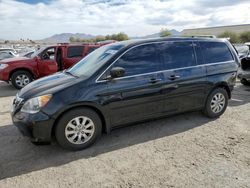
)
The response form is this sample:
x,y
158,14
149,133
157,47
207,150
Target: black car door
x,y
187,78
137,95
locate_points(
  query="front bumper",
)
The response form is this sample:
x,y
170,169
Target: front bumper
x,y
4,74
37,126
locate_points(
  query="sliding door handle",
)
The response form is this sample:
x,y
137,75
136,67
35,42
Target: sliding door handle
x,y
155,80
173,77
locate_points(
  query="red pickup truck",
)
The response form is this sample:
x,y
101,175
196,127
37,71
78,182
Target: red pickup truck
x,y
22,70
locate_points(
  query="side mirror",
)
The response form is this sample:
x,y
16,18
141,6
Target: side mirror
x,y
117,72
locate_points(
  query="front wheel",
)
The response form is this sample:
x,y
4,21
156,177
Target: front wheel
x,y
216,103
19,79
78,129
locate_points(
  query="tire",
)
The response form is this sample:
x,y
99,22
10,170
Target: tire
x,y
211,109
72,137
245,82
20,78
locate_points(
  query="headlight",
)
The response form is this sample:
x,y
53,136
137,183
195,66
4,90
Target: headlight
x,y
34,105
3,66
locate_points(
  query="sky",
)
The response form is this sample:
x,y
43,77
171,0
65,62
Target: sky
x,y
38,19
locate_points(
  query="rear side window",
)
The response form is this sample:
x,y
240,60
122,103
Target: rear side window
x,y
214,52
139,60
92,48
177,55
75,51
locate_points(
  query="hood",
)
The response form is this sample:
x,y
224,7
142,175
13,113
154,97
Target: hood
x,y
15,59
47,85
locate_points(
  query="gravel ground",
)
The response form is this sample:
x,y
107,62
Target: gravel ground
x,y
187,150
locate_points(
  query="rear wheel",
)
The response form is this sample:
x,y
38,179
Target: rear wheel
x,y
245,82
78,129
19,79
216,103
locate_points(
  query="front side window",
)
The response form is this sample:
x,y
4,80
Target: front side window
x,y
48,54
75,51
214,52
177,55
139,60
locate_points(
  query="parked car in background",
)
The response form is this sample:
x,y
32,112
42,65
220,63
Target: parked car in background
x,y
124,83
9,50
244,71
242,49
7,54
21,71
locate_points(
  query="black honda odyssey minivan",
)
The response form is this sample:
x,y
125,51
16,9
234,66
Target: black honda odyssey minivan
x,y
124,83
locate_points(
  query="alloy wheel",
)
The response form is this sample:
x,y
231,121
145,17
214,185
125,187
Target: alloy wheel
x,y
79,130
218,103
22,80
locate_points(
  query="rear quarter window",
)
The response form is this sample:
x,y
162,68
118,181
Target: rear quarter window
x,y
75,51
92,48
215,52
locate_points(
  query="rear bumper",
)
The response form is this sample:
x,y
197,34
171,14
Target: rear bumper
x,y
36,126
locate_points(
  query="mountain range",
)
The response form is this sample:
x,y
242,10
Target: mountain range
x,y
64,37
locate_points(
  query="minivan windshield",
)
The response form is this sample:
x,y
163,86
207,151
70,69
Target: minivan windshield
x,y
93,61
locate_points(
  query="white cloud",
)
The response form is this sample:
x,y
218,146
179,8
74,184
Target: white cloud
x,y
135,17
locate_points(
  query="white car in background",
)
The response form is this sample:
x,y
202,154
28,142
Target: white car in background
x,y
7,54
9,50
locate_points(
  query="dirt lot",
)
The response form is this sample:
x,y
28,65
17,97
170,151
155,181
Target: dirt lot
x,y
187,150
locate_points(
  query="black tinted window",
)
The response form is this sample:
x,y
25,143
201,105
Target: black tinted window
x,y
139,60
177,55
75,51
92,48
214,52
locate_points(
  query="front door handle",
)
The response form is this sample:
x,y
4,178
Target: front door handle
x,y
154,80
173,77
